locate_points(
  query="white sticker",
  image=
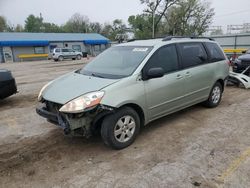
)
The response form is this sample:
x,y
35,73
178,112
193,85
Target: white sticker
x,y
140,49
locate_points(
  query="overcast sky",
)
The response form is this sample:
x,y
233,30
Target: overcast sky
x,y
59,11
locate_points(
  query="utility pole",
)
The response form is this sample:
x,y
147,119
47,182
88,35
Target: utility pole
x,y
153,27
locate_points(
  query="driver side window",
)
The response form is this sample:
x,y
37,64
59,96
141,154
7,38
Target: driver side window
x,y
166,58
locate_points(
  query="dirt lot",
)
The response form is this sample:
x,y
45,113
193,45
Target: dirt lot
x,y
197,147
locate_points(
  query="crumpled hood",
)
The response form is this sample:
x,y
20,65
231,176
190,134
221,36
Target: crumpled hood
x,y
73,85
245,57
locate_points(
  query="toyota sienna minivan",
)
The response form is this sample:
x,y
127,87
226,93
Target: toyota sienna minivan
x,y
134,83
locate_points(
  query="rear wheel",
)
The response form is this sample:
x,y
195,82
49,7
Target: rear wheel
x,y
215,96
119,130
60,58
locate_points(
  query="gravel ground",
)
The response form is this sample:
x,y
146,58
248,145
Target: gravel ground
x,y
197,147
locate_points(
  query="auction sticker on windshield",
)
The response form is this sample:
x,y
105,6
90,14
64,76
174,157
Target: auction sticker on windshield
x,y
140,49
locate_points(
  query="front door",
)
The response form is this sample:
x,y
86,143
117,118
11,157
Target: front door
x,y
164,95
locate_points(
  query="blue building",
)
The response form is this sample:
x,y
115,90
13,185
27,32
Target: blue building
x,y
15,47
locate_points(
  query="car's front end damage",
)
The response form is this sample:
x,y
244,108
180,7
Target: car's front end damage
x,y
76,124
73,102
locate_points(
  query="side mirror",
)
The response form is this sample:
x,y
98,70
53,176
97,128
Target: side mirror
x,y
156,72
202,58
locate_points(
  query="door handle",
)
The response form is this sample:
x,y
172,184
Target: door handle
x,y
187,74
178,77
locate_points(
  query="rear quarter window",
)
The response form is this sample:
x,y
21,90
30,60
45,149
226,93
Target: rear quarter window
x,y
57,50
215,52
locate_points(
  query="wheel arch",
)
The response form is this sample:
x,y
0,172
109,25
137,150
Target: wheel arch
x,y
138,110
222,82
97,123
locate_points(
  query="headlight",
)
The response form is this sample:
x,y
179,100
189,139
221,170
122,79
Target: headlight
x,y
41,92
238,60
81,103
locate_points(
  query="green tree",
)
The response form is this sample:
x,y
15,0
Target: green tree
x,y
3,24
33,24
189,17
141,25
50,28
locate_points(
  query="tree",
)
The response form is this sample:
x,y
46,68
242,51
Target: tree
x,y
3,24
112,30
107,30
159,8
189,17
50,28
141,24
77,24
33,23
95,27
19,28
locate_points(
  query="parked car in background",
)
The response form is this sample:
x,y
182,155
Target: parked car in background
x,y
7,84
131,84
242,62
60,54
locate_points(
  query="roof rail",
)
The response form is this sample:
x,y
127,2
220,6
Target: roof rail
x,y
202,38
168,38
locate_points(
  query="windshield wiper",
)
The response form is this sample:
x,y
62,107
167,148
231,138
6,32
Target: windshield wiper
x,y
95,75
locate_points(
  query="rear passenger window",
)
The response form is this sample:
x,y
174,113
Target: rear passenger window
x,y
65,50
166,58
193,54
215,52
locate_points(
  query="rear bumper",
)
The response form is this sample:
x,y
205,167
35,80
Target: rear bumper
x,y
7,88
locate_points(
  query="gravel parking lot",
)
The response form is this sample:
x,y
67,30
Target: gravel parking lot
x,y
197,147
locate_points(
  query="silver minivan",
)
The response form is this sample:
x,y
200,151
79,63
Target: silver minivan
x,y
132,84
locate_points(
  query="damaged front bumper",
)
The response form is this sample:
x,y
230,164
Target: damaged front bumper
x,y
82,124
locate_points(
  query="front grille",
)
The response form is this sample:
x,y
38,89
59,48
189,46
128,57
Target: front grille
x,y
245,63
53,107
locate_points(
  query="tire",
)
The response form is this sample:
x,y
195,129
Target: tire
x,y
117,121
78,57
55,60
60,58
215,96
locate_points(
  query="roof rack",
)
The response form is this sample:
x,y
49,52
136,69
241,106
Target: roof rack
x,y
168,38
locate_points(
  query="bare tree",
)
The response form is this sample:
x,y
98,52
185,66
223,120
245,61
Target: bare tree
x,y
158,7
77,24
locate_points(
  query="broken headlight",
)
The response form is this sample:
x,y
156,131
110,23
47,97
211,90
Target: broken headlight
x,y
83,102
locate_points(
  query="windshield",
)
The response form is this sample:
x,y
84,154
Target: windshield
x,y
116,62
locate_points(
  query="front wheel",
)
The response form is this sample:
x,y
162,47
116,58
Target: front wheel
x,y
215,96
120,129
